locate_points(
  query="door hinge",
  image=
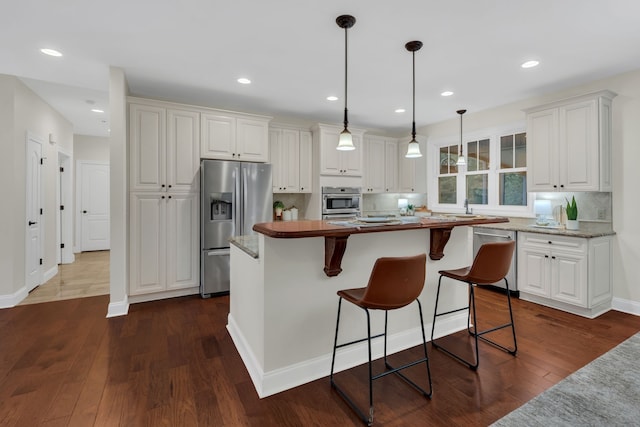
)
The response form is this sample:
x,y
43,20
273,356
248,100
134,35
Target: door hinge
x,y
40,261
61,245
61,207
40,211
61,169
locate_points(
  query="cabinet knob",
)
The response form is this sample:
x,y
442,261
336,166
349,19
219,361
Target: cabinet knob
x,y
169,196
561,185
550,242
84,211
555,186
233,155
546,256
163,197
169,185
553,257
162,185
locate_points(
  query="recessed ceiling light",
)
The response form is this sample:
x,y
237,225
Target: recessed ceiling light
x,y
97,110
244,81
530,64
446,93
50,52
332,98
400,110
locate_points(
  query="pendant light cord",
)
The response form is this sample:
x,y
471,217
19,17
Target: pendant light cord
x,y
346,121
413,128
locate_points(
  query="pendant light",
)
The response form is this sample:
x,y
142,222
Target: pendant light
x,y
345,142
413,150
461,160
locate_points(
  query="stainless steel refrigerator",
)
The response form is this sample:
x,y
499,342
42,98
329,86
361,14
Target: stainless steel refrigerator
x,y
234,197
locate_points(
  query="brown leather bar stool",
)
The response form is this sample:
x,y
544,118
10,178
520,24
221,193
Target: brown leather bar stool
x,y
490,265
394,283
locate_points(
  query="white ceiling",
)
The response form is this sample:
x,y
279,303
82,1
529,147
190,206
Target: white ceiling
x,y
193,51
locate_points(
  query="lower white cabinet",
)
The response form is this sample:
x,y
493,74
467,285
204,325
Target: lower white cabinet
x,y
164,242
565,272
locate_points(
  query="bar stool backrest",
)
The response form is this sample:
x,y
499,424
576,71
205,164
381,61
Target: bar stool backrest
x,y
395,282
491,263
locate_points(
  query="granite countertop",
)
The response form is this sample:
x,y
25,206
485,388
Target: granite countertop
x,y
248,244
587,229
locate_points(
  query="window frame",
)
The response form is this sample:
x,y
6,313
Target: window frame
x,y
493,207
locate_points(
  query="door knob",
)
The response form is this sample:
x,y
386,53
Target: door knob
x,y
84,211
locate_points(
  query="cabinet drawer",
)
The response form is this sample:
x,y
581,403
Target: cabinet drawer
x,y
576,245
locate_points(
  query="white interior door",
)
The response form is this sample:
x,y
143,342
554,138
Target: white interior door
x,y
94,206
33,223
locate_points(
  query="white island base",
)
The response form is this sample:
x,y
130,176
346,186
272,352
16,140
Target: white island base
x,y
283,307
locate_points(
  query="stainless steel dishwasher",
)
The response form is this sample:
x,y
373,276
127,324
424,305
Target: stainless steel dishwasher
x,y
482,235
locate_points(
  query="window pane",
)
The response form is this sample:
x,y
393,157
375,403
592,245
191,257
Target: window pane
x,y
444,160
521,150
483,155
506,152
453,167
472,156
447,189
513,189
477,191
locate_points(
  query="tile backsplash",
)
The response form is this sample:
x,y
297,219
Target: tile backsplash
x,y
592,206
387,203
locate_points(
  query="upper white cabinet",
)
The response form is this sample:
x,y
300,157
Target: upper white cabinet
x,y
407,170
291,159
227,136
336,162
569,144
570,273
380,165
164,148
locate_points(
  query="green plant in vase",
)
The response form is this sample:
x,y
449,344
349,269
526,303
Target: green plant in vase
x,y
278,206
572,214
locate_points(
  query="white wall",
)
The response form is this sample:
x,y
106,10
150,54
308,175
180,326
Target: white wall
x,y
626,154
95,148
28,113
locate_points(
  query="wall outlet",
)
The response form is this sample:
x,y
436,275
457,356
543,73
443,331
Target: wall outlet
x,y
602,213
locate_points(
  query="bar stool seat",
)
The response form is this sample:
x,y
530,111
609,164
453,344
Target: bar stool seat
x,y
491,264
395,282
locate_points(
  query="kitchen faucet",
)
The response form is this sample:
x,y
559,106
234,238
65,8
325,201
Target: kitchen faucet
x,y
466,207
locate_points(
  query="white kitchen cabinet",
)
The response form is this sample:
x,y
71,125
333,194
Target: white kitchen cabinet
x,y
564,272
336,162
163,148
381,165
569,144
164,242
227,136
306,163
407,170
291,160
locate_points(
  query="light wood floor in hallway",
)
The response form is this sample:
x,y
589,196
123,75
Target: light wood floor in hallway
x,y
88,276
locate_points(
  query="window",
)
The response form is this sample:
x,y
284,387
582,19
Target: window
x,y
512,173
495,178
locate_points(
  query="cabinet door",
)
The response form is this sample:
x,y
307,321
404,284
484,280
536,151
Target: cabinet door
x,y
147,140
533,271
275,156
391,167
252,144
374,170
183,150
306,165
542,151
218,135
182,241
569,278
579,151
329,156
351,161
290,154
407,170
147,240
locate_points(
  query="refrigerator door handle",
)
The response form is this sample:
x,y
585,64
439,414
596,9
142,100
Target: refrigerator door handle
x,y
237,211
217,252
244,200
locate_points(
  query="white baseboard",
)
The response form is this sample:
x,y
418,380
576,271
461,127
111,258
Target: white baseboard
x,y
626,306
285,378
119,308
48,275
11,300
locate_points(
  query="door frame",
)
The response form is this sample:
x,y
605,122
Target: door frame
x,y
64,218
30,137
78,214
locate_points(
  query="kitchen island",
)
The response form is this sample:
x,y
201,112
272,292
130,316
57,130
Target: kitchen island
x,y
283,292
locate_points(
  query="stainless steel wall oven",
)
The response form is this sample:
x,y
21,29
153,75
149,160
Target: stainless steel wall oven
x,y
341,202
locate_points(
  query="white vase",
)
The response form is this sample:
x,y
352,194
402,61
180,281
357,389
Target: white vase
x,y
573,224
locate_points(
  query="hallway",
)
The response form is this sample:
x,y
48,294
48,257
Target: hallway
x,y
88,276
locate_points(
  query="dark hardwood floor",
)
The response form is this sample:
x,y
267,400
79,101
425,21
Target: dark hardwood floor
x,y
172,363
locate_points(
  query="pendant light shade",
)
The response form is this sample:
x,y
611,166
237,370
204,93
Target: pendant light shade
x,y
345,142
413,150
461,160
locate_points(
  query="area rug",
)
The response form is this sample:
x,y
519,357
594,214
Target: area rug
x,y
606,392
